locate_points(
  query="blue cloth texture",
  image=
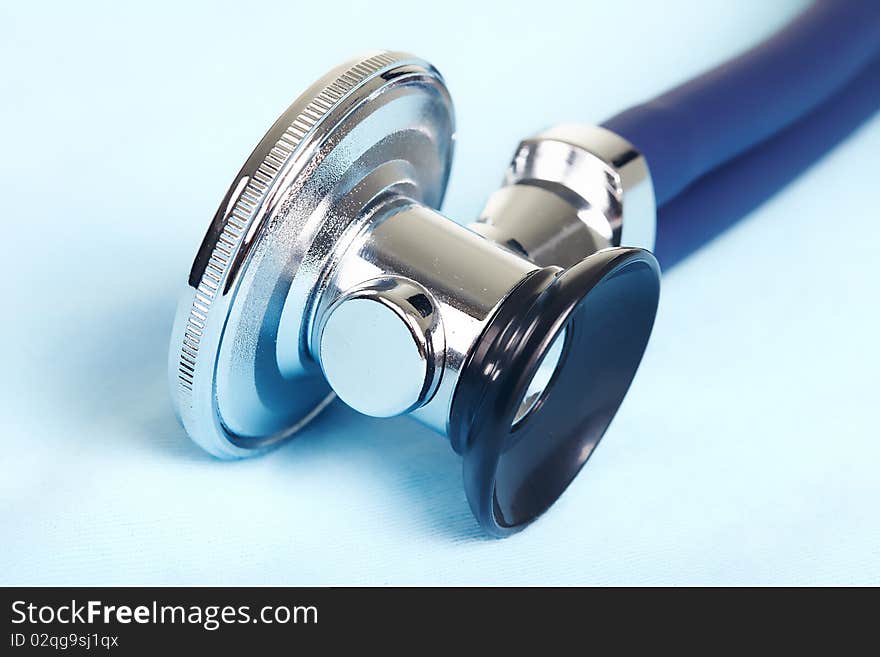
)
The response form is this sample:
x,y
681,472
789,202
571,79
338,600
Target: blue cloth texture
x,y
746,452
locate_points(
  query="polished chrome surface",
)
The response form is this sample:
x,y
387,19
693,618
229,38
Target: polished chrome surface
x,y
327,268
465,275
542,226
382,346
241,378
569,192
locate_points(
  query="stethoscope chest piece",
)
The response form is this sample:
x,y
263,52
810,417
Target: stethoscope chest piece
x,y
328,271
244,376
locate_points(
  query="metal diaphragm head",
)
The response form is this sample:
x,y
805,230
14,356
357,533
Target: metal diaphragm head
x,y
242,376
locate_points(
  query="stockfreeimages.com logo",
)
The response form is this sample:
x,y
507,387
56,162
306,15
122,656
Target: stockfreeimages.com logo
x,y
210,617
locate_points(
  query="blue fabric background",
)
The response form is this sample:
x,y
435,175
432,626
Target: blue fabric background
x,y
748,450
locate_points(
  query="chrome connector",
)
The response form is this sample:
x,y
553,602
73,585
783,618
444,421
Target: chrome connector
x,y
329,271
571,191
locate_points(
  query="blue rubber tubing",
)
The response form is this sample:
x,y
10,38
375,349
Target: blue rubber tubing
x,y
711,119
721,197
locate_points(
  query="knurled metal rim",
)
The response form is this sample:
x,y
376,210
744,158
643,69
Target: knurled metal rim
x,y
238,220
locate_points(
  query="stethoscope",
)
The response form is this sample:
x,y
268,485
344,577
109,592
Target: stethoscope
x,y
329,272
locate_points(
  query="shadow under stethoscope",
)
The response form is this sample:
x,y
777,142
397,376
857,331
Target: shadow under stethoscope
x,y
111,381
418,469
119,397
